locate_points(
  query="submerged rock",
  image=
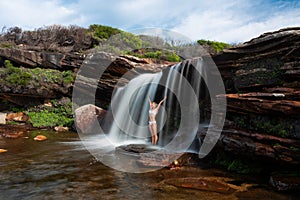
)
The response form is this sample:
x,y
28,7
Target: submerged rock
x,y
206,184
61,128
13,131
40,138
135,148
155,156
3,150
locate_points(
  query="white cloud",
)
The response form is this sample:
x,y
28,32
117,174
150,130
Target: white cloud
x,y
232,25
34,13
223,20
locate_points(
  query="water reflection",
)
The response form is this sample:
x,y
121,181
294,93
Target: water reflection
x,y
60,168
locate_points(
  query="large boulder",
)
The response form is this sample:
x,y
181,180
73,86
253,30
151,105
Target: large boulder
x,y
87,119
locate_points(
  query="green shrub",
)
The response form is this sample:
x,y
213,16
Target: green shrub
x,y
173,57
7,45
115,39
15,75
21,79
269,125
156,54
238,165
10,68
124,40
46,118
103,32
294,148
60,114
217,46
22,76
68,77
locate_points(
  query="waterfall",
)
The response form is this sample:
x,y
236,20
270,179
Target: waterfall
x,y
181,84
191,87
130,108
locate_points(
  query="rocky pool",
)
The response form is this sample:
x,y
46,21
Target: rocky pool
x,y
61,168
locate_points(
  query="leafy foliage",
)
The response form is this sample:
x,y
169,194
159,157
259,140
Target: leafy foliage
x,y
16,76
103,32
155,54
272,126
21,76
238,165
172,57
60,114
118,43
217,46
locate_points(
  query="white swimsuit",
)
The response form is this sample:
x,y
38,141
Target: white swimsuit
x,y
152,112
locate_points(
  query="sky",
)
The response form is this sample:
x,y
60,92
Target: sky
x,y
232,21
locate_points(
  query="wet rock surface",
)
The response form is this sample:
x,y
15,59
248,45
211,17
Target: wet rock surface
x,y
155,156
263,98
207,184
285,182
14,131
64,165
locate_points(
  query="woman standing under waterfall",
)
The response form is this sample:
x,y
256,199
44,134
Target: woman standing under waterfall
x,y
154,108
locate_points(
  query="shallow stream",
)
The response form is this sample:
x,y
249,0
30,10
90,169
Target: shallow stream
x,y
61,168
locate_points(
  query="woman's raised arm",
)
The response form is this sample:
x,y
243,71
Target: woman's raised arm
x,y
149,100
158,106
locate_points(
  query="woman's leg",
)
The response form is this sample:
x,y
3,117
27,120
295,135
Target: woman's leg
x,y
154,126
152,135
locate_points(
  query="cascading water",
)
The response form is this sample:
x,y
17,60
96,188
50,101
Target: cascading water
x,y
137,112
130,106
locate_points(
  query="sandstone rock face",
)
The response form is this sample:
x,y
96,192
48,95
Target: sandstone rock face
x,y
35,57
87,64
263,97
115,71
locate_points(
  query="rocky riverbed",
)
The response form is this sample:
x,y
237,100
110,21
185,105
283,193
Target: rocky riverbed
x,y
60,167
